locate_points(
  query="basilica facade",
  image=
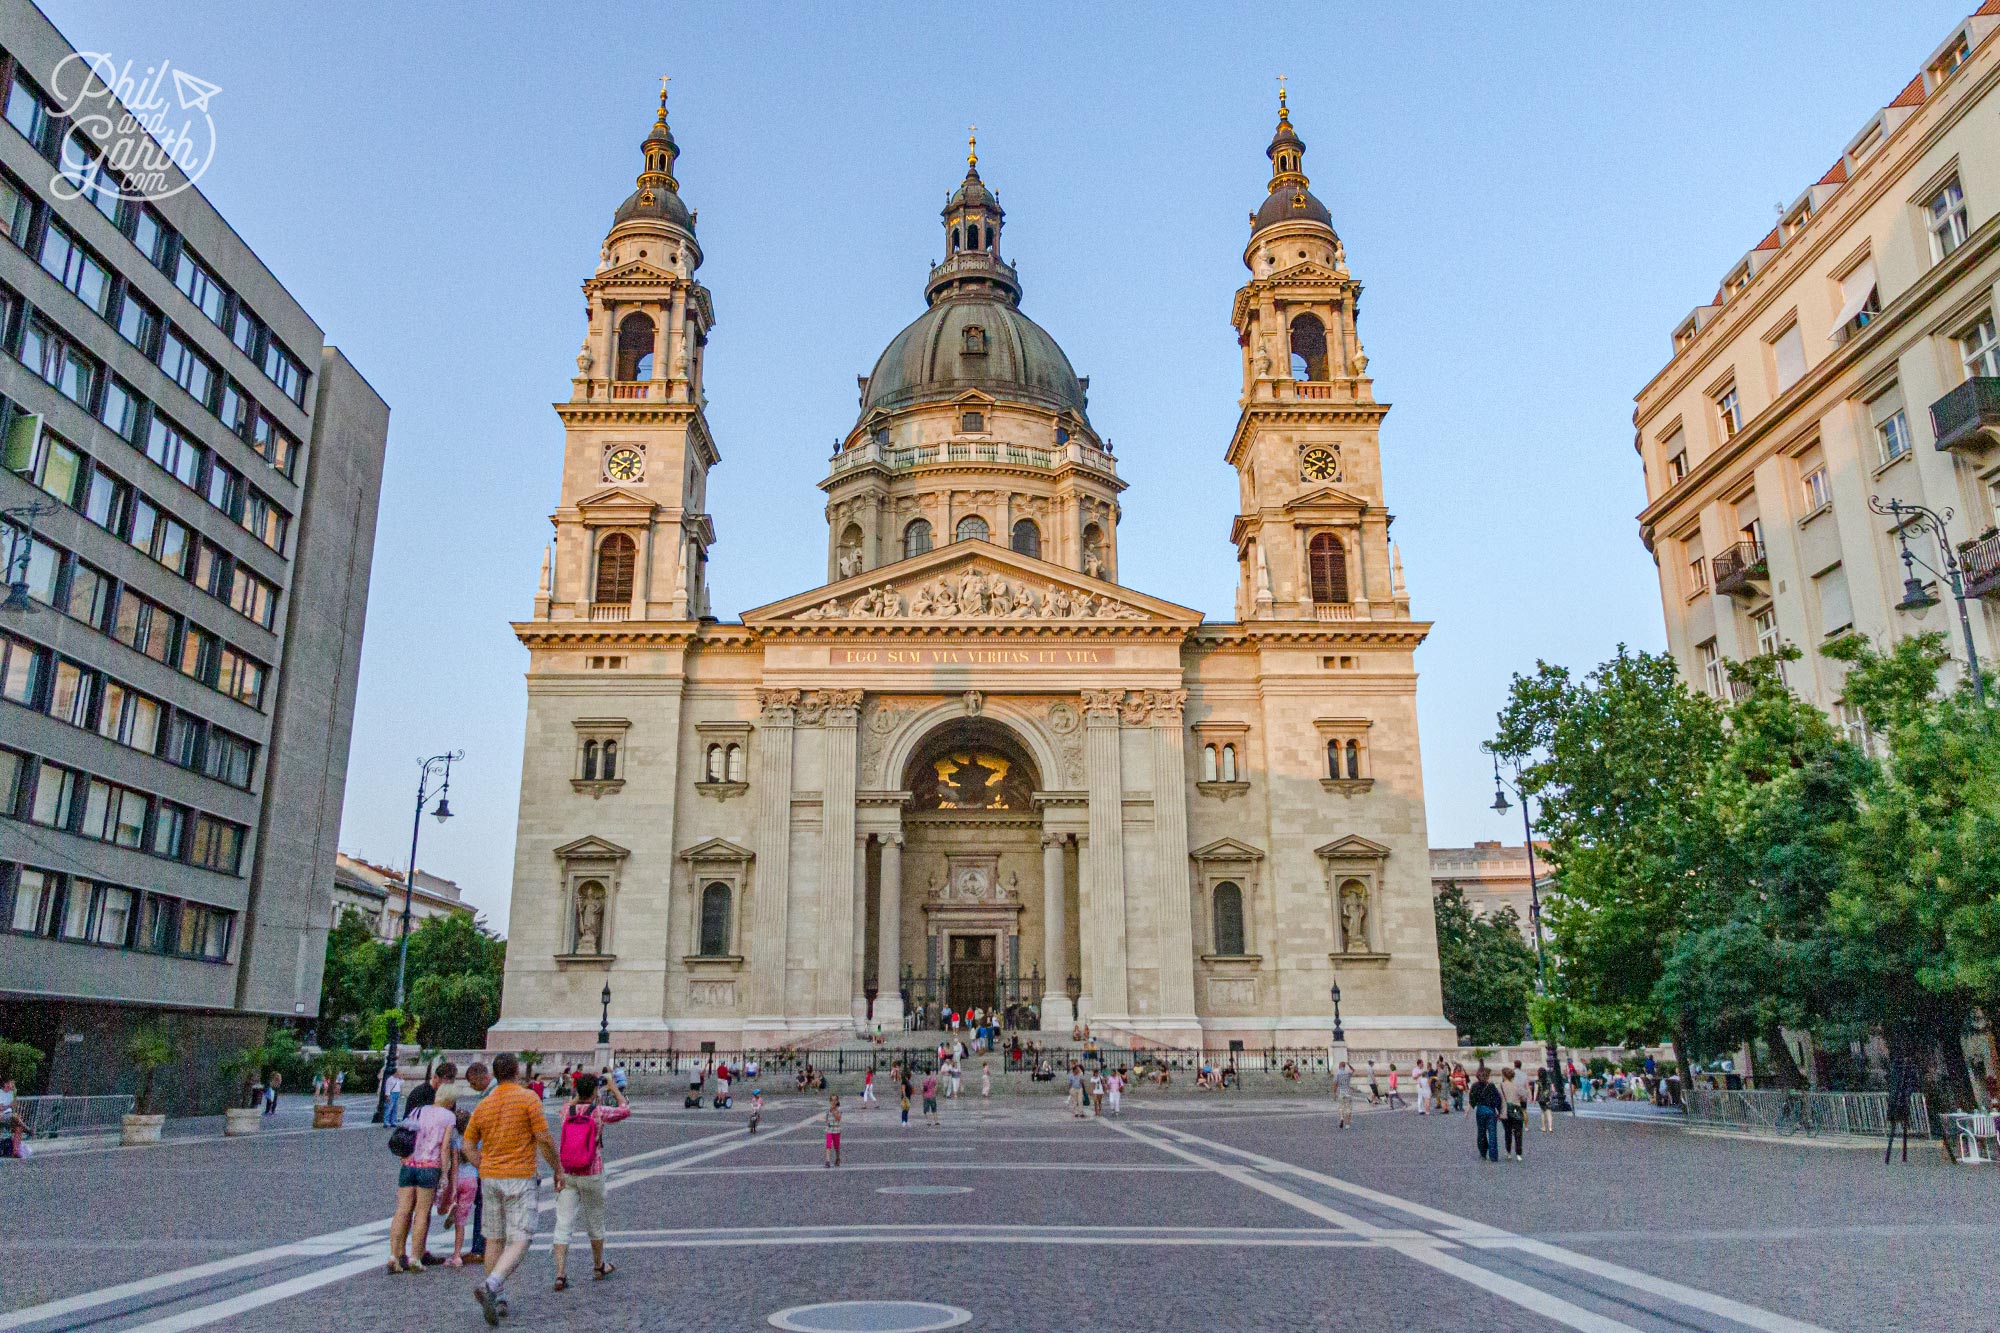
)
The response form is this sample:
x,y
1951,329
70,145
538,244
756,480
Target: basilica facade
x,y
975,766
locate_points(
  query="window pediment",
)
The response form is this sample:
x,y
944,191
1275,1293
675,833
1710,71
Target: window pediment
x,y
615,504
1325,499
1353,847
1226,849
591,848
718,852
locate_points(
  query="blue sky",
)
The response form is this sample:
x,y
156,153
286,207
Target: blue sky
x,y
1532,195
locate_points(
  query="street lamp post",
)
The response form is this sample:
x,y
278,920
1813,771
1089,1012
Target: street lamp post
x,y
604,1018
1339,1034
1559,1091
1916,597
20,550
436,766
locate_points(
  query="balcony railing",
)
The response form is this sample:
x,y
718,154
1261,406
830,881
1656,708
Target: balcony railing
x,y
1981,562
612,611
898,458
1969,416
1336,611
1306,390
632,389
1737,567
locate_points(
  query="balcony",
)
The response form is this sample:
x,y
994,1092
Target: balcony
x,y
1969,416
630,389
900,458
611,611
1336,611
1739,568
1981,562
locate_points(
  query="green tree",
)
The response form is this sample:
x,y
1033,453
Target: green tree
x,y
358,980
148,1050
454,974
1614,763
1488,970
20,1061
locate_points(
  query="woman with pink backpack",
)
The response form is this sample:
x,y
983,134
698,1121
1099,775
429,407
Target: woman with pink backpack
x,y
580,1149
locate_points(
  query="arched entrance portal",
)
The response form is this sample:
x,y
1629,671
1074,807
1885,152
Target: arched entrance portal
x,y
973,917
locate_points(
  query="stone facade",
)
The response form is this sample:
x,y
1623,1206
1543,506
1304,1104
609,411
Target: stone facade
x,y
974,767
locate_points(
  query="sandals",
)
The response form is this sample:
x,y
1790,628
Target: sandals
x,y
562,1284
397,1268
604,1271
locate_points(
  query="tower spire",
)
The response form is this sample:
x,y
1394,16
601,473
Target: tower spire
x,y
1287,151
972,150
659,150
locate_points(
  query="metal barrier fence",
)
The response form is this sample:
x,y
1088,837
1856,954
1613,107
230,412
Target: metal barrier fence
x,y
53,1117
1859,1114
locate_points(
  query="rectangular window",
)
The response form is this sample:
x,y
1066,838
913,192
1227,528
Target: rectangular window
x,y
129,718
76,910
285,371
276,448
1817,491
92,178
34,900
1836,611
1729,412
69,263
69,700
169,446
1711,668
120,408
215,844
228,758
1788,355
88,596
106,501
1979,350
150,235
235,408
52,463
1697,572
240,678
200,286
114,916
163,923
187,368
20,671
265,521
144,626
62,365
44,569
55,795
254,597
114,814
1859,303
1765,623
138,323
30,113
1677,466
170,831
17,210
1944,217
198,652
12,767
211,570
225,488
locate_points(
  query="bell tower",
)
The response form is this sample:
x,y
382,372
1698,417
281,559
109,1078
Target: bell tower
x,y
632,530
1311,532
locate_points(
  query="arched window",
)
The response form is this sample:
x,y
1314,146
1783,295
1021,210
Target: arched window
x,y
610,765
1229,763
733,763
617,559
1208,767
916,538
635,347
972,528
715,920
1333,759
1228,919
1308,348
590,761
1354,759
1027,537
713,770
989,236
956,237
1327,562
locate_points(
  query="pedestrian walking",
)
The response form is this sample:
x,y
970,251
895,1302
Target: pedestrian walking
x,y
457,1198
478,1078
957,1071
1343,1094
1459,1082
429,1163
985,1079
393,1085
756,1108
1097,1093
1513,1111
1545,1098
1076,1090
931,1099
868,1091
504,1137
1423,1081
906,1090
1374,1086
1485,1100
1395,1093
1114,1091
580,1196
833,1130
425,1093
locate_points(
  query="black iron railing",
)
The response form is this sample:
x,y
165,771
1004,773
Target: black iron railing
x,y
1737,565
1969,414
1981,562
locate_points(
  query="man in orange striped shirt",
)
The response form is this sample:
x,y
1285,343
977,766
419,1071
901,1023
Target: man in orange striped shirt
x,y
505,1133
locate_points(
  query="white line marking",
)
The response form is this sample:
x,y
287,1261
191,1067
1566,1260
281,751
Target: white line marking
x,y
1482,1236
256,1299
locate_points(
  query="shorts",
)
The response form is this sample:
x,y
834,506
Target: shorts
x,y
509,1208
585,1195
833,1139
418,1177
930,1106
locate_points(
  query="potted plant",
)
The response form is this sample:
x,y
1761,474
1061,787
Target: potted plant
x,y
245,1113
148,1050
331,1063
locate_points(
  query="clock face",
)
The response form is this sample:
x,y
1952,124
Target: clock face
x,y
1318,464
624,465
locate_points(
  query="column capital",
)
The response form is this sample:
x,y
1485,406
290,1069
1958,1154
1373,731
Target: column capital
x,y
778,707
1102,705
843,707
1054,839
1167,706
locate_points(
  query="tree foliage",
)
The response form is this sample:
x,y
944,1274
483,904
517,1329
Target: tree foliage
x,y
1488,970
451,980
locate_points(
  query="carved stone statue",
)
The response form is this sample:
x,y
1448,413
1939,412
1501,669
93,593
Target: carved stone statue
x,y
848,562
589,919
584,361
1093,563
1354,919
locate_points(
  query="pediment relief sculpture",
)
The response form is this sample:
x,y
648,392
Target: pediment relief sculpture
x,y
972,594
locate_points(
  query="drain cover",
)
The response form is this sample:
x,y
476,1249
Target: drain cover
x,y
925,1189
870,1317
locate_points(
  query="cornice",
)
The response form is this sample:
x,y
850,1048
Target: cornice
x,y
870,630
592,633
1307,411
1291,633
930,472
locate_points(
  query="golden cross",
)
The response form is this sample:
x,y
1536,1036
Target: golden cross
x,y
1281,90
665,79
972,145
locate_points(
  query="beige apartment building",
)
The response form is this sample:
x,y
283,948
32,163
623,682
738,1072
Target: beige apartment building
x,y
1849,359
1491,875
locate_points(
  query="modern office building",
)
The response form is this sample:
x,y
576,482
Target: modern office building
x,y
180,647
1849,359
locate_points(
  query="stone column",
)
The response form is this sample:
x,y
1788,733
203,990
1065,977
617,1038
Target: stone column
x,y
1058,1011
1103,910
1174,912
770,902
889,943
860,963
837,984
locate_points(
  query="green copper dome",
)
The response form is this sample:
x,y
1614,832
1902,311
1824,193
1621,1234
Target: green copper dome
x,y
973,339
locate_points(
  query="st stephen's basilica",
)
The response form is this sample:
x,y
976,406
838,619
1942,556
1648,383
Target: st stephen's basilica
x,y
975,767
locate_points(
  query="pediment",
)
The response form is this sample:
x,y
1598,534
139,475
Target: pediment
x,y
592,848
717,850
615,500
1304,272
1324,497
1353,847
1004,586
635,272
1226,849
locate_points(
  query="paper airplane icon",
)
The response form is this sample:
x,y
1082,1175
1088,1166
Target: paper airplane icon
x,y
194,93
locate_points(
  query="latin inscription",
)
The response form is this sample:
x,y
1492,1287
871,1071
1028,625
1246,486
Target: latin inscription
x,y
938,657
